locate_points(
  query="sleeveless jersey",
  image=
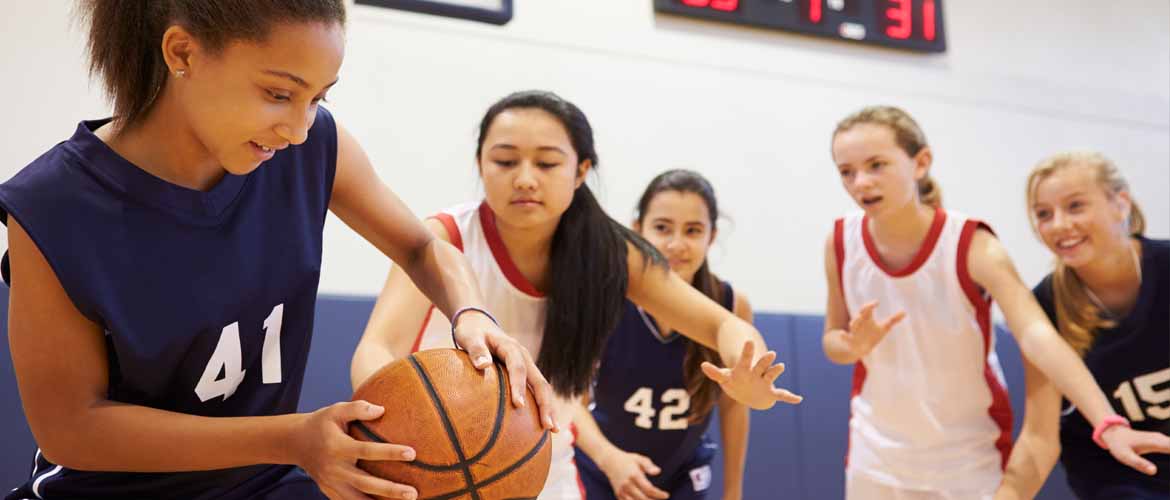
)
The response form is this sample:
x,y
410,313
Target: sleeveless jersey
x,y
640,398
520,309
206,298
929,409
1131,364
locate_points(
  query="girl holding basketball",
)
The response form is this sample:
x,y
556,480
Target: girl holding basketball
x,y
910,291
634,447
557,271
164,263
1108,295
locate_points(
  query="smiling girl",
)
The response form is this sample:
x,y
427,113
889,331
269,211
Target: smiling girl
x,y
910,292
1109,295
164,263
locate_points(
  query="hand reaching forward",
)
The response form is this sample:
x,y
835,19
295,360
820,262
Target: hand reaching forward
x,y
750,381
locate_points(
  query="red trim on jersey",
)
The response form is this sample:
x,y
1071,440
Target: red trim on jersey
x,y
452,229
422,329
580,485
839,252
487,219
1001,408
456,239
936,226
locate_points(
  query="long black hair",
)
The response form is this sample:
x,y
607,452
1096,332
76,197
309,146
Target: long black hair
x,y
587,261
703,391
125,38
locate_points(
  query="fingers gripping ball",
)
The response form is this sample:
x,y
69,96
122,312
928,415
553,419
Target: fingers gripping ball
x,y
470,443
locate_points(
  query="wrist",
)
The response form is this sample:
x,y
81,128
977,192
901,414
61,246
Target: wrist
x,y
471,312
606,455
1107,424
465,312
289,445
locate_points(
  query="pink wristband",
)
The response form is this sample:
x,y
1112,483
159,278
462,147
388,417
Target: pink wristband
x,y
1105,424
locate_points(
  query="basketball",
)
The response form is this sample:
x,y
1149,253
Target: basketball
x,y
470,442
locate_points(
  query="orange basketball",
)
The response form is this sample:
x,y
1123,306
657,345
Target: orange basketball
x,y
470,442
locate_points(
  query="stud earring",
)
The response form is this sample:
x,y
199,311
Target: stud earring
x,y
180,73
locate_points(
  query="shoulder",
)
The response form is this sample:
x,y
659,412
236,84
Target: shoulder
x,y
52,173
54,190
835,240
982,247
450,223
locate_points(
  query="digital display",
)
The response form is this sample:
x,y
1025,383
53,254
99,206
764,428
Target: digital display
x,y
905,24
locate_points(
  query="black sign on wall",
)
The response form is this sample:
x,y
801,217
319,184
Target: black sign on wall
x,y
497,12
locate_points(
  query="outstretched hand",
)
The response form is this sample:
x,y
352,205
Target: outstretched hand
x,y
750,380
865,332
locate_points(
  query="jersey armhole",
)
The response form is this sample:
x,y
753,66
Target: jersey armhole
x,y
978,297
6,266
452,228
839,253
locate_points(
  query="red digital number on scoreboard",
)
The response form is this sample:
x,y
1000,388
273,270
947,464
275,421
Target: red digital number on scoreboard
x,y
900,15
723,5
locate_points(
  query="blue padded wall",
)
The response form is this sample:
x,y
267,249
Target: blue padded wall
x,y
795,452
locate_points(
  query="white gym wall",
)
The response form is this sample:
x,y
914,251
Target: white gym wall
x,y
751,109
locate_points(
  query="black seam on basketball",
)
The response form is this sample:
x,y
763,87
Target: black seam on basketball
x,y
501,400
516,465
373,436
495,434
499,475
368,433
463,464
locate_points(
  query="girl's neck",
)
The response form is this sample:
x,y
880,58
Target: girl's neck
x,y
530,250
163,145
1115,277
900,233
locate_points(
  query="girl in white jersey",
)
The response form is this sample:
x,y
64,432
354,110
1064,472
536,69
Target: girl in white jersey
x,y
556,271
930,416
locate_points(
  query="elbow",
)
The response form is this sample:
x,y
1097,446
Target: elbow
x,y
415,255
1050,456
838,360
69,455
835,356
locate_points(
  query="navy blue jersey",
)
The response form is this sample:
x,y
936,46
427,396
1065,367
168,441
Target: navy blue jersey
x,y
640,398
1131,363
206,298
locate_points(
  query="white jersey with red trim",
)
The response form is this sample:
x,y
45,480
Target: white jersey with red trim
x,y
929,410
520,309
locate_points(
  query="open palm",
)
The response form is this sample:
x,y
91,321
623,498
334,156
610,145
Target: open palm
x,y
752,383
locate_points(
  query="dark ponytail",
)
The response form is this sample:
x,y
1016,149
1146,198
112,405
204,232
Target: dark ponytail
x,y
125,38
703,391
587,261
